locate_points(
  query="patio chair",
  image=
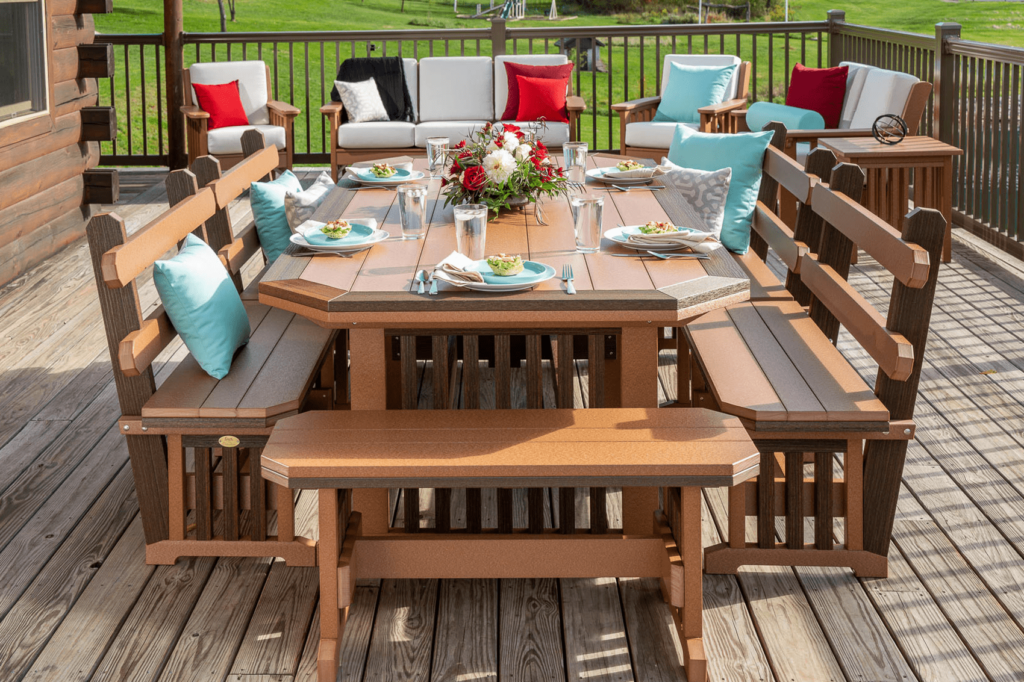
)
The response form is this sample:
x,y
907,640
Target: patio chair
x,y
274,119
639,135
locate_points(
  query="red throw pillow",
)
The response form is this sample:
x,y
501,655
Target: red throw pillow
x,y
820,90
560,71
223,103
542,98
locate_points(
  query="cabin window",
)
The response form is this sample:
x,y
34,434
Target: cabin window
x,y
22,59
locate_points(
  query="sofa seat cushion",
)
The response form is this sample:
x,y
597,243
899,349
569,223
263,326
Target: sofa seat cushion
x,y
552,134
456,89
455,131
653,135
229,140
252,84
376,135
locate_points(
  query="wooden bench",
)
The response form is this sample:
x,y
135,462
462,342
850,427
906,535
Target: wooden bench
x,y
678,450
773,364
217,504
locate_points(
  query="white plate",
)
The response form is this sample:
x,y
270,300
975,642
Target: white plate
x,y
365,177
620,235
598,174
378,236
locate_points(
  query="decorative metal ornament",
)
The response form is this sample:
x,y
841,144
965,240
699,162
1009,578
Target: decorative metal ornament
x,y
889,129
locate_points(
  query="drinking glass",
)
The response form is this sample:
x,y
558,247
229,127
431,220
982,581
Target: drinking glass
x,y
587,213
437,151
412,210
471,230
574,160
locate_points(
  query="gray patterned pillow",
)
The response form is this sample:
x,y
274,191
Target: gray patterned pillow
x,y
362,101
705,191
300,206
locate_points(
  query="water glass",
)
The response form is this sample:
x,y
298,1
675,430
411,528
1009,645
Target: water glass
x,y
574,160
471,230
437,152
587,213
412,210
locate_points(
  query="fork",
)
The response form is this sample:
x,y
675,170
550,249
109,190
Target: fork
x,y
650,188
567,278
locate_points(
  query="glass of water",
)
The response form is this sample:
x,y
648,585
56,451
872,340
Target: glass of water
x,y
471,230
587,213
574,160
437,151
412,210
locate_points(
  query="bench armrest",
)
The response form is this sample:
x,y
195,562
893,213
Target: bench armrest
x,y
194,113
638,104
282,109
575,103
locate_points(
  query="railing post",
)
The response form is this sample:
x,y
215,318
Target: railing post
x,y
173,64
835,45
498,34
943,92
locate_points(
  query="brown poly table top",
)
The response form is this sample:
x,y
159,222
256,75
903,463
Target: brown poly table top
x,y
858,149
376,287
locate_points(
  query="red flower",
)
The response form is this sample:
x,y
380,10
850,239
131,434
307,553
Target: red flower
x,y
540,150
444,181
509,128
460,145
474,178
538,162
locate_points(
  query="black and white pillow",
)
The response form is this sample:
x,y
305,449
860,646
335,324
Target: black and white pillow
x,y
300,206
362,101
705,191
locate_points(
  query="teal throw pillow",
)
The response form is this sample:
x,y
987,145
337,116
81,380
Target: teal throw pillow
x,y
794,118
203,305
744,154
267,200
690,88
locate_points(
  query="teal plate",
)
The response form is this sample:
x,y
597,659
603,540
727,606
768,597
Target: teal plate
x,y
366,175
358,235
532,272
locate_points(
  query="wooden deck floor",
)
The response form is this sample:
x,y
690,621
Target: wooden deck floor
x,y
78,602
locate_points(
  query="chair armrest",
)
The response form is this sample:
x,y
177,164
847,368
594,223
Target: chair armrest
x,y
809,135
575,103
193,112
332,109
638,104
282,108
724,107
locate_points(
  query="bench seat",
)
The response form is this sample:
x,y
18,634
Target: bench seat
x,y
269,378
767,362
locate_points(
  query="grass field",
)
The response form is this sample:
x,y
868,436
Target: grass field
x,y
298,66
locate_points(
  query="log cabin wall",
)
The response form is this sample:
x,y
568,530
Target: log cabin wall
x,y
48,178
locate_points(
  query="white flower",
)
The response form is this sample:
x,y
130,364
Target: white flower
x,y
510,142
499,165
523,152
492,146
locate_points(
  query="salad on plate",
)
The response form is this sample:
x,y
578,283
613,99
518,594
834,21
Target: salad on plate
x,y
337,229
629,165
505,266
658,227
383,170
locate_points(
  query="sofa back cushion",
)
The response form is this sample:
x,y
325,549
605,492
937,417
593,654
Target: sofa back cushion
x,y
871,92
703,60
501,73
252,84
412,80
456,89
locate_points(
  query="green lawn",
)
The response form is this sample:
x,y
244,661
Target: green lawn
x,y
298,66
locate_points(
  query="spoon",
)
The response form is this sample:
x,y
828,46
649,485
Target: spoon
x,y
421,277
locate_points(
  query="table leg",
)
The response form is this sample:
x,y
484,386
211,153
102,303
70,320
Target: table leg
x,y
638,358
683,398
944,192
331,615
691,622
368,374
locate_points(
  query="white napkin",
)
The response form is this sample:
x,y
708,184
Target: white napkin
x,y
454,269
700,242
350,172
315,225
652,172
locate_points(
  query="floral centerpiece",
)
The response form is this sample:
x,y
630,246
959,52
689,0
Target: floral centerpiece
x,y
500,168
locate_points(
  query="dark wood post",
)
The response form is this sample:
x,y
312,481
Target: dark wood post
x,y
173,64
497,37
944,94
835,42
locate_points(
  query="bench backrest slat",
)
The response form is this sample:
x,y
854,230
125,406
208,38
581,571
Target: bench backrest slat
x,y
809,225
788,173
228,186
778,236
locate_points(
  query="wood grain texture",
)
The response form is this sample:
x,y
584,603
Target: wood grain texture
x,y
405,619
466,637
531,642
595,634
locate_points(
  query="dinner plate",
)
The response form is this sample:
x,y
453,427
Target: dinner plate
x,y
598,174
533,274
361,237
620,235
366,176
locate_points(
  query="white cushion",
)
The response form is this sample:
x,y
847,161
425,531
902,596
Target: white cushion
x,y
455,131
802,150
871,92
854,87
456,89
653,135
704,60
874,100
501,75
252,85
553,134
229,140
300,206
412,81
376,135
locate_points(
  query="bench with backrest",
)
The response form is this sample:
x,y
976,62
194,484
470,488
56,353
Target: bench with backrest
x,y
342,452
773,363
194,441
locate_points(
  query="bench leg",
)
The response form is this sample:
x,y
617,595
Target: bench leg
x,y
332,615
691,626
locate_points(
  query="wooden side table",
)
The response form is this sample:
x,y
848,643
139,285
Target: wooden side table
x,y
888,169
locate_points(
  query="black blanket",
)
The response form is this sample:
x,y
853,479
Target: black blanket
x,y
389,74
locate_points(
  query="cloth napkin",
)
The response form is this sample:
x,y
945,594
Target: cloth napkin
x,y
402,165
699,242
652,172
453,269
315,225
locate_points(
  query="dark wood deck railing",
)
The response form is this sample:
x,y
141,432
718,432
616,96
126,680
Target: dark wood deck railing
x,y
976,103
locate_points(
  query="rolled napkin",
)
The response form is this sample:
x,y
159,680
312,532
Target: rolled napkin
x,y
315,225
453,269
651,172
699,242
